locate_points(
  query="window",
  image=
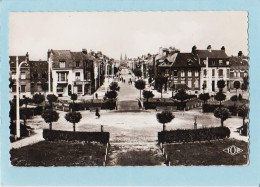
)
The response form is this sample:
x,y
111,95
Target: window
x,y
77,64
205,84
88,76
205,72
213,62
228,73
14,88
196,74
175,73
43,75
23,75
189,73
22,88
35,75
77,75
213,73
196,83
13,75
220,73
190,84
231,74
62,77
80,89
59,89
220,62
182,74
62,64
167,72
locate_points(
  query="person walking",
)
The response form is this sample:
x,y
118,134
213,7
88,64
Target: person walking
x,y
97,113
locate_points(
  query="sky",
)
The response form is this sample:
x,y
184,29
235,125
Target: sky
x,y
130,33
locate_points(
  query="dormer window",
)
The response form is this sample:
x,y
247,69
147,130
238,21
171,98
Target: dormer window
x,y
220,62
62,64
77,64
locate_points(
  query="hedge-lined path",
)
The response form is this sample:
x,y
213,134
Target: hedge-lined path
x,y
35,138
135,154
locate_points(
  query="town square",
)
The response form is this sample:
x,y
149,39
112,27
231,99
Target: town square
x,y
172,106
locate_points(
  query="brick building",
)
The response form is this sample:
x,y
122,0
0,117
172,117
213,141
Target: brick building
x,y
25,76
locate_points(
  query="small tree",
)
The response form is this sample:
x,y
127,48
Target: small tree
x,y
26,101
111,95
51,98
73,97
234,99
140,85
165,117
243,112
114,86
147,94
236,85
220,97
50,116
222,113
221,84
38,99
204,97
73,117
181,95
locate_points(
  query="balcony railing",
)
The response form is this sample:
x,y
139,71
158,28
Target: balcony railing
x,y
62,80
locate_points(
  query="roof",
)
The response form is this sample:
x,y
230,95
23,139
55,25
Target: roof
x,y
12,60
212,54
186,60
237,62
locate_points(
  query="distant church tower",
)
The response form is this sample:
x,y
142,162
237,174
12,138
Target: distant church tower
x,y
125,57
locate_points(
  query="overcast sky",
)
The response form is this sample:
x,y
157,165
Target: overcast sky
x,y
133,33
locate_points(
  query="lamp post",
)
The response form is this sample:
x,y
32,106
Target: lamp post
x,y
18,67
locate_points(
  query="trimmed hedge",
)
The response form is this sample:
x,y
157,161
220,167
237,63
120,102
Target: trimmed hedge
x,y
55,135
191,135
153,105
209,107
85,106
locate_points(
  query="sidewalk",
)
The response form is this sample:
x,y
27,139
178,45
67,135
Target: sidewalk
x,y
37,137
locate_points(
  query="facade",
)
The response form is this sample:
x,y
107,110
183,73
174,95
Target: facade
x,y
39,76
215,66
238,68
68,72
25,76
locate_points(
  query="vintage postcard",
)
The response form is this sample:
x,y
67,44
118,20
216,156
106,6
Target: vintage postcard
x,y
112,89
99,89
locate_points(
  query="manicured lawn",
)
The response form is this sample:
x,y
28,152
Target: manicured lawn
x,y
207,153
59,154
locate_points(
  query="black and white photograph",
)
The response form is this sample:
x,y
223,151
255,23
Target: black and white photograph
x,y
129,88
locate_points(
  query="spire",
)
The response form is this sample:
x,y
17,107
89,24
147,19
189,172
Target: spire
x,y
125,57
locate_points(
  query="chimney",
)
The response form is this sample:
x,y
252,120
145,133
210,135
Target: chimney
x,y
84,51
223,48
48,53
209,48
27,56
240,54
194,48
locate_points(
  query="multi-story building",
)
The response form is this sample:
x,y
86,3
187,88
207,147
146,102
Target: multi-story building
x,y
25,76
215,66
69,72
39,76
238,68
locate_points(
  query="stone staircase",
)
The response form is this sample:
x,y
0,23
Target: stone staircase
x,y
128,106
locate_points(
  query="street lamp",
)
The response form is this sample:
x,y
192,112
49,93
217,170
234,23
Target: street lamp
x,y
18,67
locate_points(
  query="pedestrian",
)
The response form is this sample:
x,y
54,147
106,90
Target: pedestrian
x,y
97,113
